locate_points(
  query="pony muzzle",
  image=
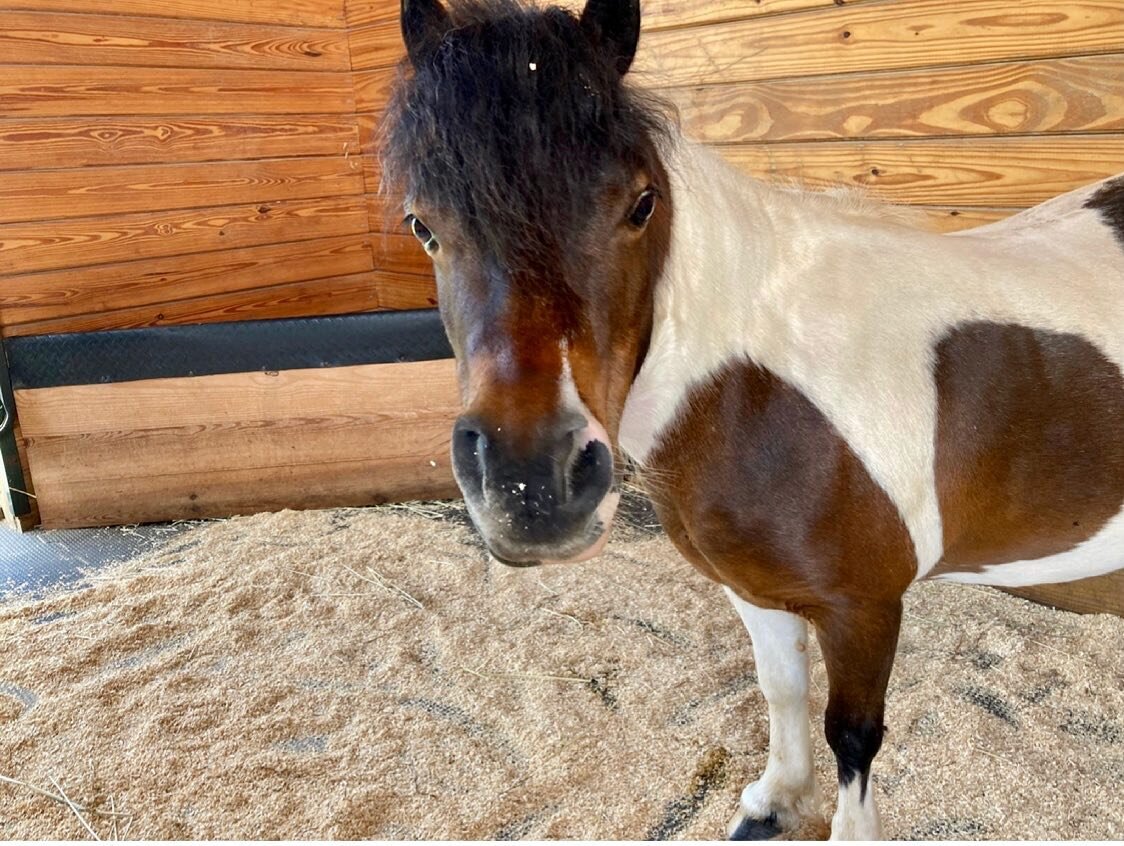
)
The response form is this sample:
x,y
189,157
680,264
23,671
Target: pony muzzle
x,y
537,497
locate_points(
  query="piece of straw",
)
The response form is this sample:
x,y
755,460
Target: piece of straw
x,y
73,807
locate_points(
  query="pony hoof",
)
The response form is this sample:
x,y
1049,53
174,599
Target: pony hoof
x,y
745,827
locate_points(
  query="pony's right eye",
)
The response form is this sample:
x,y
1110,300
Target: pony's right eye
x,y
422,233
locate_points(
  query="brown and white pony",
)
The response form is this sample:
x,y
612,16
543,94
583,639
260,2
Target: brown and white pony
x,y
826,404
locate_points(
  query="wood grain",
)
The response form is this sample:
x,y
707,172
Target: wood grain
x,y
667,14
376,40
401,291
1099,595
304,13
80,192
41,38
28,247
879,36
387,391
65,142
313,297
25,298
1053,96
92,91
233,443
376,45
946,219
1002,172
372,481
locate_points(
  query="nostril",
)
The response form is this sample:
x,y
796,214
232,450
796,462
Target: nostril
x,y
583,469
468,452
590,473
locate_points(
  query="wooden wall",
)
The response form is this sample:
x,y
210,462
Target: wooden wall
x,y
181,161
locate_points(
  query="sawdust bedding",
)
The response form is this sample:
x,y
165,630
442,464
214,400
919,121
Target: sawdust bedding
x,y
367,673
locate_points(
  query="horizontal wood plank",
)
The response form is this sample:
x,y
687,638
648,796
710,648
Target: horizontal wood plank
x,y
26,298
399,253
351,294
386,392
372,90
72,92
305,13
65,142
880,36
81,192
669,14
212,445
946,219
1047,97
1099,595
29,247
372,481
42,38
376,45
1006,172
403,291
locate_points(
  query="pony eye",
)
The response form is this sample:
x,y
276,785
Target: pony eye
x,y
422,233
643,209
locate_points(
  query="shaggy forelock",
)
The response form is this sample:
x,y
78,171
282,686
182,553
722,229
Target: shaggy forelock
x,y
516,154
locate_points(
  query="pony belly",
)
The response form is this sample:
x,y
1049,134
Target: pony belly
x,y
1029,456
1100,554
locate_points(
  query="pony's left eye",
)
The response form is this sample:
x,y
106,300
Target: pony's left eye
x,y
643,208
422,233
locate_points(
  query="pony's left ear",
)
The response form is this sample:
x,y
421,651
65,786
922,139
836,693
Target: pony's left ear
x,y
424,24
614,26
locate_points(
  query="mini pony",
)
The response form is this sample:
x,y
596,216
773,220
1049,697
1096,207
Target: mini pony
x,y
824,403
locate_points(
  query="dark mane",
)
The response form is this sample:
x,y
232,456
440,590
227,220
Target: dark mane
x,y
515,153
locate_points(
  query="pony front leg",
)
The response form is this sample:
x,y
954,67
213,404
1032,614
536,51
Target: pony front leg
x,y
858,645
786,792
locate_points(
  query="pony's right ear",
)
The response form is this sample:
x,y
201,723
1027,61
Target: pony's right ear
x,y
424,24
614,26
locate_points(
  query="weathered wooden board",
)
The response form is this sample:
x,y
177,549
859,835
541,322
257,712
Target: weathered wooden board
x,y
33,246
1084,94
172,448
28,298
42,38
1100,595
306,13
43,91
81,192
64,142
400,291
351,294
669,14
1000,172
879,36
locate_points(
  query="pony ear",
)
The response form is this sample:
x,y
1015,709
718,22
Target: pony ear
x,y
614,27
424,24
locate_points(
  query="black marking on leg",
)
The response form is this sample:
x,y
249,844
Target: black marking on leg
x,y
855,742
757,829
991,702
710,775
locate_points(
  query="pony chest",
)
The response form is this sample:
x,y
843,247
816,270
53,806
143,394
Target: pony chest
x,y
758,490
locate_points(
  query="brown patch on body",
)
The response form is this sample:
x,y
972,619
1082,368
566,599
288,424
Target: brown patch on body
x,y
761,493
1029,443
1109,201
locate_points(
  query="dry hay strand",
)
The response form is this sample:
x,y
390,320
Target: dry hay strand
x,y
236,684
